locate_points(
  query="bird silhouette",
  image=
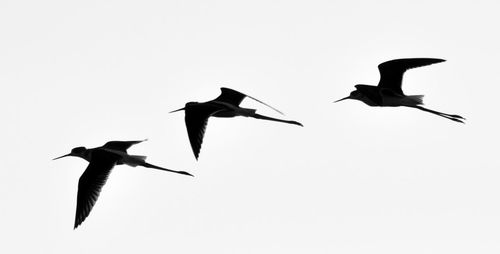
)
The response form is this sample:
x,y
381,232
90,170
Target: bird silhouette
x,y
101,161
388,93
226,105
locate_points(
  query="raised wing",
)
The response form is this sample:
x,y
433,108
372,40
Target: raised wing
x,y
121,145
91,182
196,122
230,96
391,72
234,97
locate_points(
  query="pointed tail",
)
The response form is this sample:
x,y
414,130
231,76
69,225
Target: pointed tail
x,y
275,119
416,99
455,118
147,165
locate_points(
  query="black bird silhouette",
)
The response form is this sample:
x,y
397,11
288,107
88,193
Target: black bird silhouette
x,y
226,105
101,161
388,93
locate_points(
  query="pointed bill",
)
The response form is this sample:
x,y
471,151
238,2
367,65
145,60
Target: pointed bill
x,y
177,110
61,156
348,97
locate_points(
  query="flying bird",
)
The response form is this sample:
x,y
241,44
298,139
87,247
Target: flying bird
x,y
101,161
388,93
226,105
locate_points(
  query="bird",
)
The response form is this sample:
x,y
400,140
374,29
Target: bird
x,y
101,162
388,92
225,105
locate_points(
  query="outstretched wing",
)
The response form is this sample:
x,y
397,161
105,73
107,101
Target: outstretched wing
x,y
196,122
391,72
91,182
121,145
234,97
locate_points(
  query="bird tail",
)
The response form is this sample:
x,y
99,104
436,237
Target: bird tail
x,y
147,165
416,99
136,160
140,157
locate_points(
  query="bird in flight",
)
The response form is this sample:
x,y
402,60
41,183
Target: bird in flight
x,y
388,93
226,105
101,161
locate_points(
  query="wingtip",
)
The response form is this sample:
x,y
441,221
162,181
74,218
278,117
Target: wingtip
x,y
434,60
196,154
440,60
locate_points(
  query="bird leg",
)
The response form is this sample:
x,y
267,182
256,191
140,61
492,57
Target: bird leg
x,y
147,165
455,118
275,119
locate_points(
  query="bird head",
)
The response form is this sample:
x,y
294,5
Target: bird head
x,y
355,95
77,152
184,108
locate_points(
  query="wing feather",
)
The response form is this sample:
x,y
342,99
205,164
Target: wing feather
x,y
230,96
196,123
234,97
391,72
91,183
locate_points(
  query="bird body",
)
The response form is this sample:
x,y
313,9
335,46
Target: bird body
x,y
221,109
224,106
388,92
382,97
101,162
229,110
127,159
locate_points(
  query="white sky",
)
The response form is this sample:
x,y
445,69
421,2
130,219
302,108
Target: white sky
x,y
355,179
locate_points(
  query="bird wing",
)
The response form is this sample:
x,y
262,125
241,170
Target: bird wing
x,y
230,96
196,122
234,97
372,92
121,145
391,72
91,182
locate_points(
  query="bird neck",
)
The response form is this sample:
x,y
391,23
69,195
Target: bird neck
x,y
366,99
86,155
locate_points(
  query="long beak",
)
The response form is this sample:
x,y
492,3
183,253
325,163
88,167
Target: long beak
x,y
348,97
62,156
177,110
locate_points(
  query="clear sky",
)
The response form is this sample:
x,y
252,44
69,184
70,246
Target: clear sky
x,y
354,179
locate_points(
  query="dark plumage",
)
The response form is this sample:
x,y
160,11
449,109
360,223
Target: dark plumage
x,y
101,162
225,105
388,92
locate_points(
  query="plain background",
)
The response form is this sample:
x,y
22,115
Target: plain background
x,y
355,179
